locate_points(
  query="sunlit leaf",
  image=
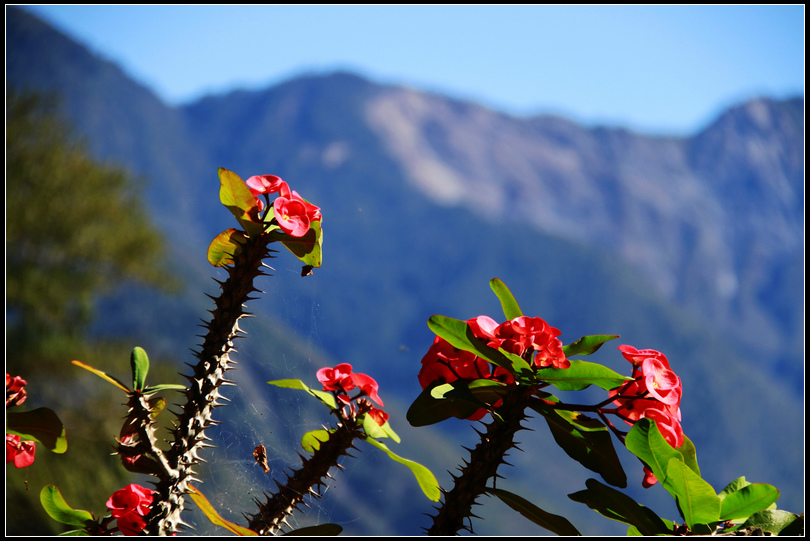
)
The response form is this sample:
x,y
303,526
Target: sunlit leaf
x,y
511,309
212,514
102,375
164,387
553,523
427,481
697,500
41,425
616,505
309,248
225,247
139,362
238,199
581,375
587,344
747,500
459,399
646,442
57,508
323,396
312,440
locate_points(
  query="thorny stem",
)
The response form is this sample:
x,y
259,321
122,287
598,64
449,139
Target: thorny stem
x,y
483,464
274,512
203,392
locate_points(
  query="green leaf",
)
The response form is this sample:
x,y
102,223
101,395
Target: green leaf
x,y
733,486
323,396
689,454
212,514
312,440
615,505
57,508
697,500
553,523
236,197
308,248
586,440
773,520
511,309
139,362
747,500
374,430
587,344
319,530
646,442
581,375
225,247
102,375
459,399
427,481
164,387
41,425
459,334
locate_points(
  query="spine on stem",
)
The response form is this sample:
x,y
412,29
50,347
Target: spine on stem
x,y
485,458
305,480
203,393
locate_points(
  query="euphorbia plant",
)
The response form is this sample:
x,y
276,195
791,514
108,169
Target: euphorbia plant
x,y
479,366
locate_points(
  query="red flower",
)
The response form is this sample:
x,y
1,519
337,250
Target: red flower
x,y
649,479
668,424
130,499
291,215
15,390
379,416
131,524
660,381
368,386
337,378
264,184
20,452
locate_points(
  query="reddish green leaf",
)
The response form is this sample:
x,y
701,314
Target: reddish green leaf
x,y
225,246
238,199
102,375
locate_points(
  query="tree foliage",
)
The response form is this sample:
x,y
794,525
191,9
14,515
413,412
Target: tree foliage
x,y
75,228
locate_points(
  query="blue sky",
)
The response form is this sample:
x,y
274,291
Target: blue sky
x,y
658,69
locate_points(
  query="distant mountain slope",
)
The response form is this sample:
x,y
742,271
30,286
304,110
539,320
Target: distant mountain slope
x,y
425,199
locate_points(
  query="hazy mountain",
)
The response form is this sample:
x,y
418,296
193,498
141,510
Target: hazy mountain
x,y
693,246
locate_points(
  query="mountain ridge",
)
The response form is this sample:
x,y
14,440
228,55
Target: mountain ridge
x,y
394,256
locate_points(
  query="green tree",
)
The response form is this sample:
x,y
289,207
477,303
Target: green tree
x,y
75,230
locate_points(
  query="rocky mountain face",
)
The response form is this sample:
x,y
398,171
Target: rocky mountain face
x,y
693,246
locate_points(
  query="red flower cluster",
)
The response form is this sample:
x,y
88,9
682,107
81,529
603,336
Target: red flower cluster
x,y
18,451
15,390
655,394
341,379
444,363
130,505
293,214
21,453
